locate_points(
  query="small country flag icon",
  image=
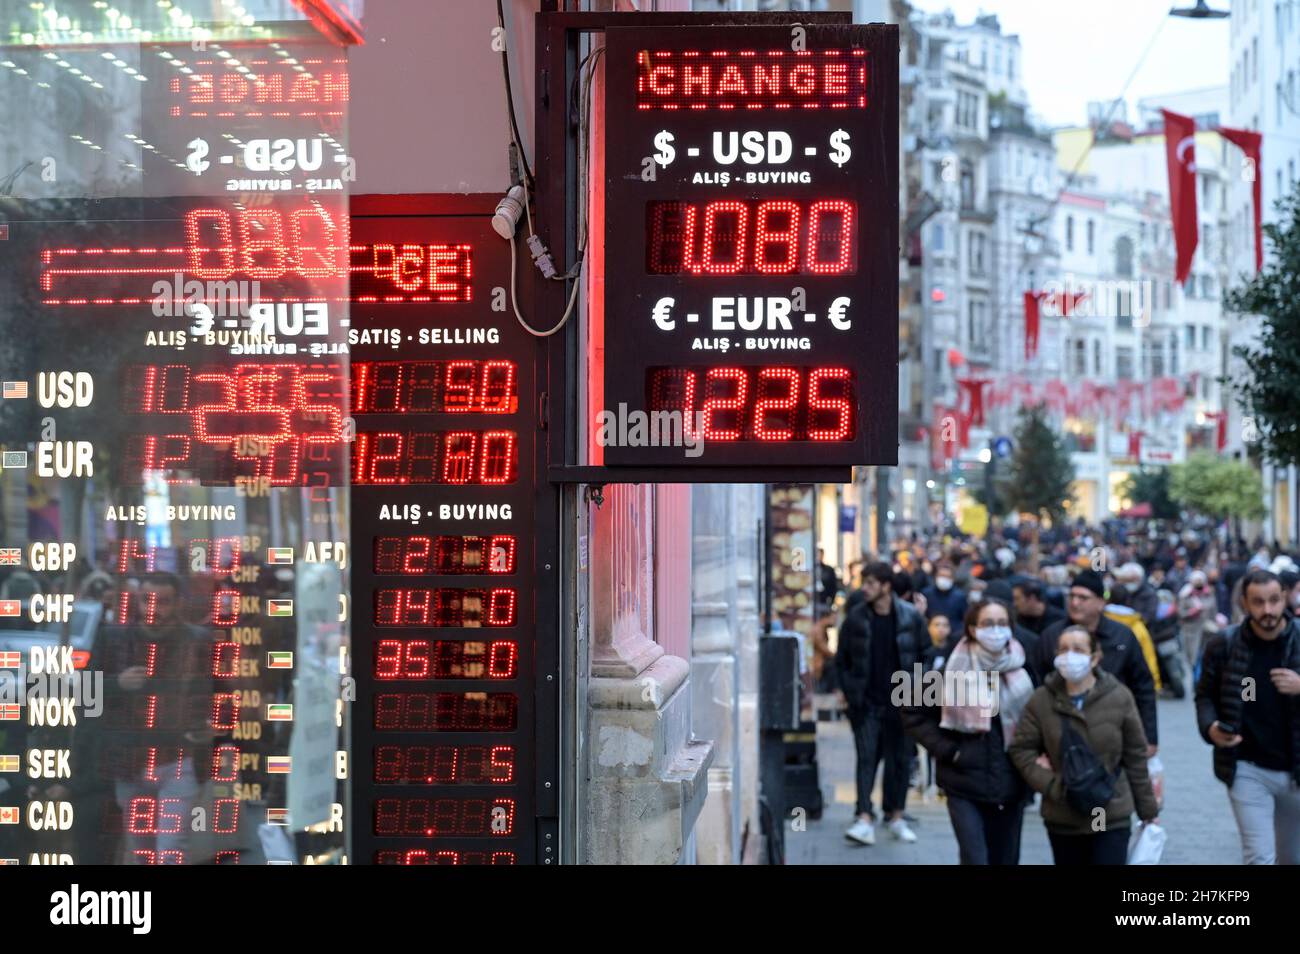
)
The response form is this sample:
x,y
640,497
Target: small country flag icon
x,y
279,660
11,659
9,816
277,816
13,460
279,712
11,607
279,556
8,861
10,763
11,556
278,764
15,390
10,712
279,607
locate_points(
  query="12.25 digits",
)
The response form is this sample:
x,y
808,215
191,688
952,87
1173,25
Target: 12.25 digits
x,y
758,403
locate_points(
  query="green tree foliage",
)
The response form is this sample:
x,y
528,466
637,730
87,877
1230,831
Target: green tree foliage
x,y
1151,487
1268,392
1216,487
1041,474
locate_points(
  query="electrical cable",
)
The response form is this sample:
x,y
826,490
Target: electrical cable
x,y
588,64
510,106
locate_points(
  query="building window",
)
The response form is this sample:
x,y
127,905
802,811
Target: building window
x,y
1124,257
1096,357
1124,363
1069,233
967,185
1189,335
1207,287
1081,357
1092,235
936,236
975,324
977,247
1205,337
1168,295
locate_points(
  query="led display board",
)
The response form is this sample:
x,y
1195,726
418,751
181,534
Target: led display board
x,y
751,252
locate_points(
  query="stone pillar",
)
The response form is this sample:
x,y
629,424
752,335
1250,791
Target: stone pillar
x,y
646,771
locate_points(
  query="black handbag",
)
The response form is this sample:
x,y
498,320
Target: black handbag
x,y
1087,783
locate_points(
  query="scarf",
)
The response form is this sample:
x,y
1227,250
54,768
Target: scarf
x,y
972,666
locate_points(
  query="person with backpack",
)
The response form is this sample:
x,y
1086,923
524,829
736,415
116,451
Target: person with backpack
x,y
986,796
1081,744
1256,735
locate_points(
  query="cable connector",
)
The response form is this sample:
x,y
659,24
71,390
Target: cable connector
x,y
541,256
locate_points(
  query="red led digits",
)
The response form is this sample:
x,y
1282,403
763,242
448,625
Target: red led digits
x,y
726,224
783,382
826,387
298,250
718,402
446,554
750,237
419,856
445,607
435,457
830,237
446,711
445,659
444,764
770,404
445,817
751,79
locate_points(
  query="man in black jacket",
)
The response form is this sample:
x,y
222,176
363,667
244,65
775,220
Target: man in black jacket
x,y
1121,652
881,636
1033,612
1248,708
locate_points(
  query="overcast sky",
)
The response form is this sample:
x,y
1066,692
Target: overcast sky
x,y
1080,50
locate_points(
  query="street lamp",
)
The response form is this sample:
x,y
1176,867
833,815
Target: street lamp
x,y
1201,11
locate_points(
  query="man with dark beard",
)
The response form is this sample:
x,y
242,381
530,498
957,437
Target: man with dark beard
x,y
1248,708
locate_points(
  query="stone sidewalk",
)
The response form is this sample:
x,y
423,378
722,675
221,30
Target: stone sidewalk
x,y
1196,814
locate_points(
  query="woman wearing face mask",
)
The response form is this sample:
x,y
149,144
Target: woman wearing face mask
x,y
1101,714
985,689
1196,608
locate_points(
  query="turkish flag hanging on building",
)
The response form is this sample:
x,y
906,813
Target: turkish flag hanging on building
x,y
1031,323
1251,143
1180,157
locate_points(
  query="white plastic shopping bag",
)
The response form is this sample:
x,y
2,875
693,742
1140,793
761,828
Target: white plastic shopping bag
x,y
1148,846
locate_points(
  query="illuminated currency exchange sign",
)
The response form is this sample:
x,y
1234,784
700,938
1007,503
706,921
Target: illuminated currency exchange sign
x,y
751,247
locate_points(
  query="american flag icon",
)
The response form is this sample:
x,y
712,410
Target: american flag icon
x,y
11,556
14,390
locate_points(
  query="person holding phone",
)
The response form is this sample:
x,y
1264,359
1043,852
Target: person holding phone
x,y
1248,708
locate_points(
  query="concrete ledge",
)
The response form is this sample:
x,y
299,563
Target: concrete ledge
x,y
649,689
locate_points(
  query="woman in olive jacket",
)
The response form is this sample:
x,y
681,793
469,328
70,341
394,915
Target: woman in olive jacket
x,y
1103,712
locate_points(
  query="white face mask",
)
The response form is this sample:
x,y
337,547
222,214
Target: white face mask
x,y
993,638
1073,666
1132,587
943,583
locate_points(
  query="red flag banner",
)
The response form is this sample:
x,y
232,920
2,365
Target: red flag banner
x,y
1251,143
974,389
1180,158
1031,323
